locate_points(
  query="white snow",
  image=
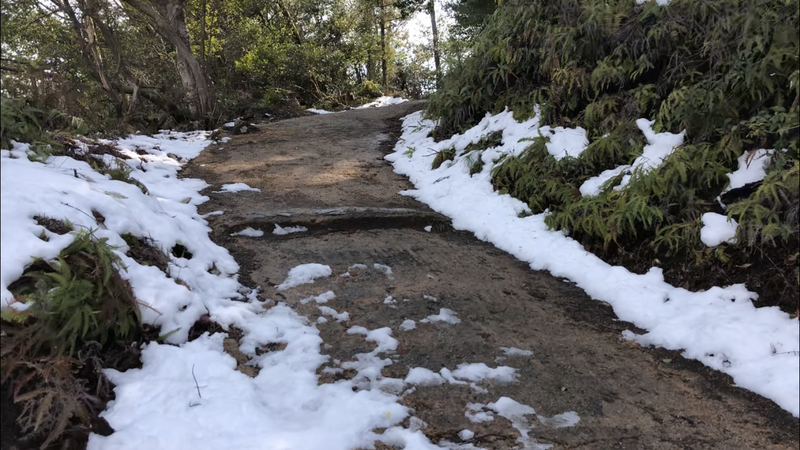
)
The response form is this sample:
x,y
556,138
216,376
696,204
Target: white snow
x,y
445,315
659,146
318,111
566,419
389,300
236,187
357,330
476,414
280,231
515,412
339,317
719,327
513,351
480,371
158,405
325,297
382,268
249,232
752,168
213,213
428,228
717,229
466,435
383,101
565,141
407,325
303,274
423,377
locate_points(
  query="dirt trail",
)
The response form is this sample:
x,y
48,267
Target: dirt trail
x,y
327,173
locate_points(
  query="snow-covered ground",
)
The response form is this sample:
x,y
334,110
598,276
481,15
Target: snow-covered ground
x,y
189,394
720,327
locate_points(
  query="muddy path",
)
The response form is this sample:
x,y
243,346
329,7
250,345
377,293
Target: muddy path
x,y
327,174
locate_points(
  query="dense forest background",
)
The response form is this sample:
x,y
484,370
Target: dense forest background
x,y
119,65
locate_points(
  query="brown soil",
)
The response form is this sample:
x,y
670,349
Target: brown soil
x,y
327,173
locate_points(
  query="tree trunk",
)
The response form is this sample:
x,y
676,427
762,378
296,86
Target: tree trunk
x,y
298,38
203,36
170,20
384,78
435,32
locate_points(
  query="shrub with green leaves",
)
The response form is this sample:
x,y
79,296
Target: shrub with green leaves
x,y
725,71
78,297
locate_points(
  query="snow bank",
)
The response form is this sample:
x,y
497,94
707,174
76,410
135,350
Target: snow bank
x,y
719,327
383,101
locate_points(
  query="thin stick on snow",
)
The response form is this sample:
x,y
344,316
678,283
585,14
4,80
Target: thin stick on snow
x,y
195,383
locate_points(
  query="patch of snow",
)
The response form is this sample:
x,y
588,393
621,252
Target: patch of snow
x,y
476,414
717,229
383,101
213,213
752,168
303,274
421,376
318,111
513,351
358,266
249,232
447,374
480,371
383,268
339,317
226,139
389,300
466,435
660,145
236,187
407,325
280,231
563,420
430,297
357,330
705,325
515,412
565,141
325,297
445,315
428,228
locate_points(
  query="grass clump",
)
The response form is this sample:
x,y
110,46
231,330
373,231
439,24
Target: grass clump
x,y
79,306
442,156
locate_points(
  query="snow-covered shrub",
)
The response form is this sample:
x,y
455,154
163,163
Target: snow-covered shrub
x,y
721,75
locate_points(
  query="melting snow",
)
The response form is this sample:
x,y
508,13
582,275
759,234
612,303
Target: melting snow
x,y
303,274
705,325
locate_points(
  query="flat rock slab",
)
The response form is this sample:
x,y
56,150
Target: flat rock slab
x,y
326,173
